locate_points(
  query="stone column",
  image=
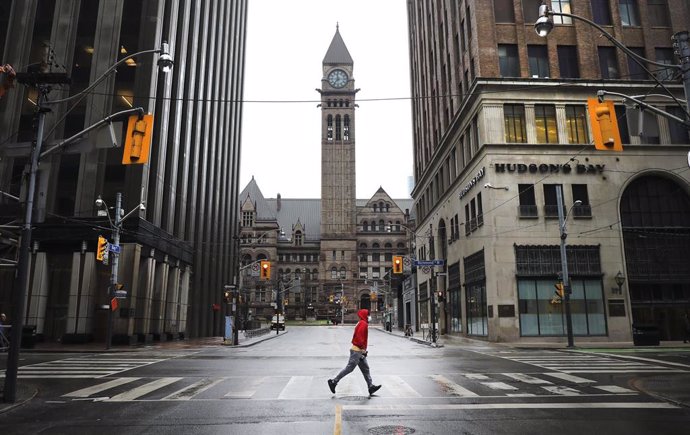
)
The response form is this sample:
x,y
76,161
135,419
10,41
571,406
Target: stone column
x,y
530,123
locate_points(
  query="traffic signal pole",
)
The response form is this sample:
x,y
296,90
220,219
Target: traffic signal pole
x,y
564,266
115,262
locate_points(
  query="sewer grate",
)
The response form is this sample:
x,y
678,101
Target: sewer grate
x,y
390,430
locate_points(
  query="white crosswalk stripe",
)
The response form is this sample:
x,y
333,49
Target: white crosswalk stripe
x,y
585,363
82,367
469,385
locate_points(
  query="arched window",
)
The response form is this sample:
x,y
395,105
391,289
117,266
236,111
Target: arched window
x,y
388,246
343,273
246,259
365,226
298,238
329,126
376,208
388,207
346,128
397,225
401,246
375,245
382,225
337,127
381,206
334,273
362,245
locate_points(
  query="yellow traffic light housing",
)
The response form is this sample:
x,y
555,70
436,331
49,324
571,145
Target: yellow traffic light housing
x,y
560,289
138,140
397,264
102,248
331,298
602,118
265,270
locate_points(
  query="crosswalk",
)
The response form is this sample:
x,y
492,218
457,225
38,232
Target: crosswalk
x,y
448,385
582,363
82,367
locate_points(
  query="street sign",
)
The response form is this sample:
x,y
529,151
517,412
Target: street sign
x,y
419,263
114,248
120,294
255,269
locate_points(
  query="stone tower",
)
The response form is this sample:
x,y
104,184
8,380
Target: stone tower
x,y
338,260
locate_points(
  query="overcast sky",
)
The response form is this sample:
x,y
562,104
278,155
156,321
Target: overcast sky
x,y
286,43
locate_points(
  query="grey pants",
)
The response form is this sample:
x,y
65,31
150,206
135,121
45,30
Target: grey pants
x,y
356,359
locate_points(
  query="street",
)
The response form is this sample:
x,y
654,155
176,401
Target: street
x,y
279,387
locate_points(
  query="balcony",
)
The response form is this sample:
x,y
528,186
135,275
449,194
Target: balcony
x,y
583,211
528,211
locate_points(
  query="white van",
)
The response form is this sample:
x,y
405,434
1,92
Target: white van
x,y
278,324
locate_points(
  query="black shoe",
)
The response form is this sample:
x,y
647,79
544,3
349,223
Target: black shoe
x,y
332,384
373,389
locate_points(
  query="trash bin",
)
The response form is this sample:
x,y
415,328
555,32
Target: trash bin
x,y
645,334
28,336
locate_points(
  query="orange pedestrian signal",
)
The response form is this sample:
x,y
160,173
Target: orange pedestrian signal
x,y
560,292
397,264
102,248
602,117
265,270
138,140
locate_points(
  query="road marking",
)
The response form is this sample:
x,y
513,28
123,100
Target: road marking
x,y
569,378
615,389
143,390
297,387
338,426
192,390
476,376
471,406
527,379
562,391
498,386
400,388
247,391
452,387
86,392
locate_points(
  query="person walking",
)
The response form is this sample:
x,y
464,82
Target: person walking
x,y
358,354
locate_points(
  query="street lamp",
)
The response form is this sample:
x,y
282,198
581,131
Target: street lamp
x,y
564,261
620,280
165,63
681,42
114,248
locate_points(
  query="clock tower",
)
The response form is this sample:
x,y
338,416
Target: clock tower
x,y
338,205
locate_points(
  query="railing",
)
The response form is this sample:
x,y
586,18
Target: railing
x,y
528,211
582,211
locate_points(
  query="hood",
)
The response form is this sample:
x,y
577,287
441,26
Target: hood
x,y
363,314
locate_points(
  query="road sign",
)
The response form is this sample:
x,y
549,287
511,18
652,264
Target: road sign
x,y
255,269
419,263
120,294
114,248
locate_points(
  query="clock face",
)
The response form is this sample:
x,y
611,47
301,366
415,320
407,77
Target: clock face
x,y
337,78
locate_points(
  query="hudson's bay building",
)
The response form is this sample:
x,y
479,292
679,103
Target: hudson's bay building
x,y
500,122
178,253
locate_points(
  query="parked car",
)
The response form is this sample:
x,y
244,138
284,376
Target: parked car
x,y
277,323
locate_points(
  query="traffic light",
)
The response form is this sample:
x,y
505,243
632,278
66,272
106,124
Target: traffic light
x,y
560,291
331,298
602,117
397,264
138,140
102,248
265,270
440,297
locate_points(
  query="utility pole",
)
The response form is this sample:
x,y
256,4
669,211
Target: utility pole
x,y
433,307
564,266
113,268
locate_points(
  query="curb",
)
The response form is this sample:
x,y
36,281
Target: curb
x,y
6,408
257,341
417,340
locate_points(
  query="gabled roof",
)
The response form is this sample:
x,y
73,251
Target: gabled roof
x,y
263,210
337,52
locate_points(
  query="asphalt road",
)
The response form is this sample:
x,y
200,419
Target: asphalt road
x,y
279,387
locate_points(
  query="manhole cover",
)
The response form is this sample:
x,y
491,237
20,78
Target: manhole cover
x,y
391,430
354,398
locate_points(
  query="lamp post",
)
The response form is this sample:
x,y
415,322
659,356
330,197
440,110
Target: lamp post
x,y
42,82
564,261
114,250
681,42
620,280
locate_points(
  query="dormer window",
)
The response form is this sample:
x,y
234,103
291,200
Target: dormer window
x,y
247,218
298,238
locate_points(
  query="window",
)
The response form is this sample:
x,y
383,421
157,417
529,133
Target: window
x,y
551,201
538,60
473,215
298,238
561,6
528,204
576,124
337,127
635,70
622,123
530,10
679,133
580,194
363,272
601,12
545,122
508,61
343,273
329,127
346,128
629,14
468,230
503,11
665,55
334,273
567,61
657,11
480,211
608,65
514,118
247,218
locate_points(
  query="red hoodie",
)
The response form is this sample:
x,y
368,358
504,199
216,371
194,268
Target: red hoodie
x,y
359,338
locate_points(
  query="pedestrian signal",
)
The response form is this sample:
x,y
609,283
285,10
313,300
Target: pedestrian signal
x,y
102,248
397,264
265,270
560,292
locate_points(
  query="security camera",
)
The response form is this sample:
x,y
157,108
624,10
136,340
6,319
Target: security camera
x,y
99,202
487,185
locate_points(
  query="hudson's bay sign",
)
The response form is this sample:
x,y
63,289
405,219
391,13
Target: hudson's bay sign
x,y
547,168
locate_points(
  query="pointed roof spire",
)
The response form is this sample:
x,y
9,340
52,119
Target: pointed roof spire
x,y
337,52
